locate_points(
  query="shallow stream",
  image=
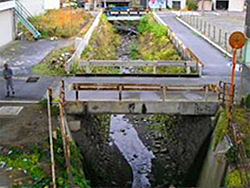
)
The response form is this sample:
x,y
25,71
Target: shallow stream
x,y
125,137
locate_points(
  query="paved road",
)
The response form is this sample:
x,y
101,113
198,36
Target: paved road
x,y
215,63
23,55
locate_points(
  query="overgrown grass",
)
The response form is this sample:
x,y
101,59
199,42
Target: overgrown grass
x,y
221,129
34,162
61,23
103,42
233,179
155,45
50,67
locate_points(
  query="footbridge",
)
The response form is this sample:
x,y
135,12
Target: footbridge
x,y
124,13
128,98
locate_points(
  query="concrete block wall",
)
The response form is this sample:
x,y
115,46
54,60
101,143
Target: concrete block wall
x,y
7,30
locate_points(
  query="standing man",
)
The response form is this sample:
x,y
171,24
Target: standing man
x,y
7,74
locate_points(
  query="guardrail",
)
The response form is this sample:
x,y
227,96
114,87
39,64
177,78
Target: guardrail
x,y
77,87
88,65
182,49
214,33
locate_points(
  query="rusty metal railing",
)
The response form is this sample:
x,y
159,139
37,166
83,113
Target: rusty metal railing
x,y
77,87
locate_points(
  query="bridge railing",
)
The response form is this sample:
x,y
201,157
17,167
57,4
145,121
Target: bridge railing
x,y
190,67
128,12
204,89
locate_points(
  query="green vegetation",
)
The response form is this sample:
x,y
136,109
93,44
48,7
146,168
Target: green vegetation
x,y
53,65
103,42
33,164
75,162
155,45
233,179
162,123
61,23
248,101
133,50
221,129
192,5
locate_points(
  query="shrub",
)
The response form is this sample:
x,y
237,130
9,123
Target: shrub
x,y
61,23
192,5
233,179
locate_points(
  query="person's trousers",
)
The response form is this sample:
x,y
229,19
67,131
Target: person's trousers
x,y
9,85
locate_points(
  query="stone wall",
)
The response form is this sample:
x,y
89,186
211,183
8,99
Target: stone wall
x,y
176,145
105,166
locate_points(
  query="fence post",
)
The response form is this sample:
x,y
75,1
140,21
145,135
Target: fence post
x,y
201,25
214,33
197,23
209,27
219,36
49,94
164,93
205,27
77,92
226,41
154,69
120,92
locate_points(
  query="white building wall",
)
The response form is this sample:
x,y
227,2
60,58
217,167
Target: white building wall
x,y
7,26
51,4
35,7
236,5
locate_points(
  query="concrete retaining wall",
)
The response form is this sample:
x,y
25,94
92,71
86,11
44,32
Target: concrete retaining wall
x,y
81,44
246,80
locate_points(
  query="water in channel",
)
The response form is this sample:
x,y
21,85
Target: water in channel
x,y
125,137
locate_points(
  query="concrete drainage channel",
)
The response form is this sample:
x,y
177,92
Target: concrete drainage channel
x,y
123,134
158,153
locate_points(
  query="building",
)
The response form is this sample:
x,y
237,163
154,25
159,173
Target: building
x,y
176,4
230,5
8,15
7,29
36,7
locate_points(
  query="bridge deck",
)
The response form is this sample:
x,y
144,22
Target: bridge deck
x,y
140,98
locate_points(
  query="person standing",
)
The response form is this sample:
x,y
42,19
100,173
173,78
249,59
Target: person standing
x,y
7,74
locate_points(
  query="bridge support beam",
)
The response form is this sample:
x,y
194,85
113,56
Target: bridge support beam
x,y
140,107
